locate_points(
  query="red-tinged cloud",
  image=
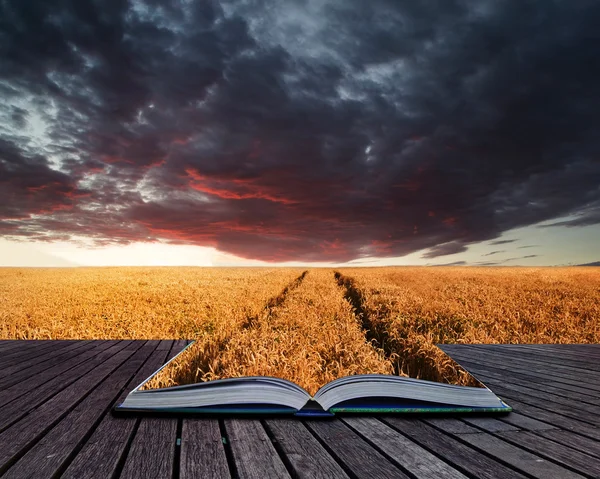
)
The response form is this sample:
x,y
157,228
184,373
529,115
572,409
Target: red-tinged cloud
x,y
209,124
234,189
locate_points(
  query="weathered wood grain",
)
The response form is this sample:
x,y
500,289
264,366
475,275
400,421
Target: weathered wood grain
x,y
50,454
419,462
307,457
102,452
451,425
474,358
152,451
362,459
526,423
509,359
54,421
154,436
486,373
19,399
534,464
32,427
582,413
461,456
202,450
7,345
9,371
545,354
552,451
24,351
485,366
574,440
27,369
489,424
254,454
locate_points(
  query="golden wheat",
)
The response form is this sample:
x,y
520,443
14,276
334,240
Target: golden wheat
x,y
310,337
413,309
132,303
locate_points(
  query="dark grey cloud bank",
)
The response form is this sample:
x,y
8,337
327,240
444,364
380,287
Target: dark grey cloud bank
x,y
298,130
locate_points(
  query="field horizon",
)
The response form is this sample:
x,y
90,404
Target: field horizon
x,y
264,321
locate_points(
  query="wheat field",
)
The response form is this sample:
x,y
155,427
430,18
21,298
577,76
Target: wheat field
x,y
307,325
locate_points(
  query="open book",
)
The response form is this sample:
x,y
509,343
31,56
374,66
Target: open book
x,y
351,394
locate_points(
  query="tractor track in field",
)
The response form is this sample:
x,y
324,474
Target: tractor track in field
x,y
274,301
375,335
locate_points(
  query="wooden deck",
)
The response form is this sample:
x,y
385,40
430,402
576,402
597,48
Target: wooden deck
x,y
55,421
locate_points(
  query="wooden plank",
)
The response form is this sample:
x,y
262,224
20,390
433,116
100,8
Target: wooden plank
x,y
576,441
521,421
560,350
358,456
578,414
57,374
584,347
590,378
12,411
552,351
473,359
21,347
549,417
253,453
202,451
307,457
499,357
451,425
21,435
20,372
538,384
483,362
545,382
50,455
46,356
489,424
581,462
507,388
153,450
13,344
411,457
101,454
459,455
26,350
178,346
157,437
528,462
586,375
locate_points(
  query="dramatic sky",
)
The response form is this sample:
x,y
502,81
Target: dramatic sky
x,y
379,132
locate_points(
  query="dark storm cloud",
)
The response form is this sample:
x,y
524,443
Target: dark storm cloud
x,y
508,260
298,131
454,263
499,242
444,249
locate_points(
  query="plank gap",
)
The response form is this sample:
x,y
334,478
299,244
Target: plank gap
x,y
121,463
286,461
228,451
330,451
